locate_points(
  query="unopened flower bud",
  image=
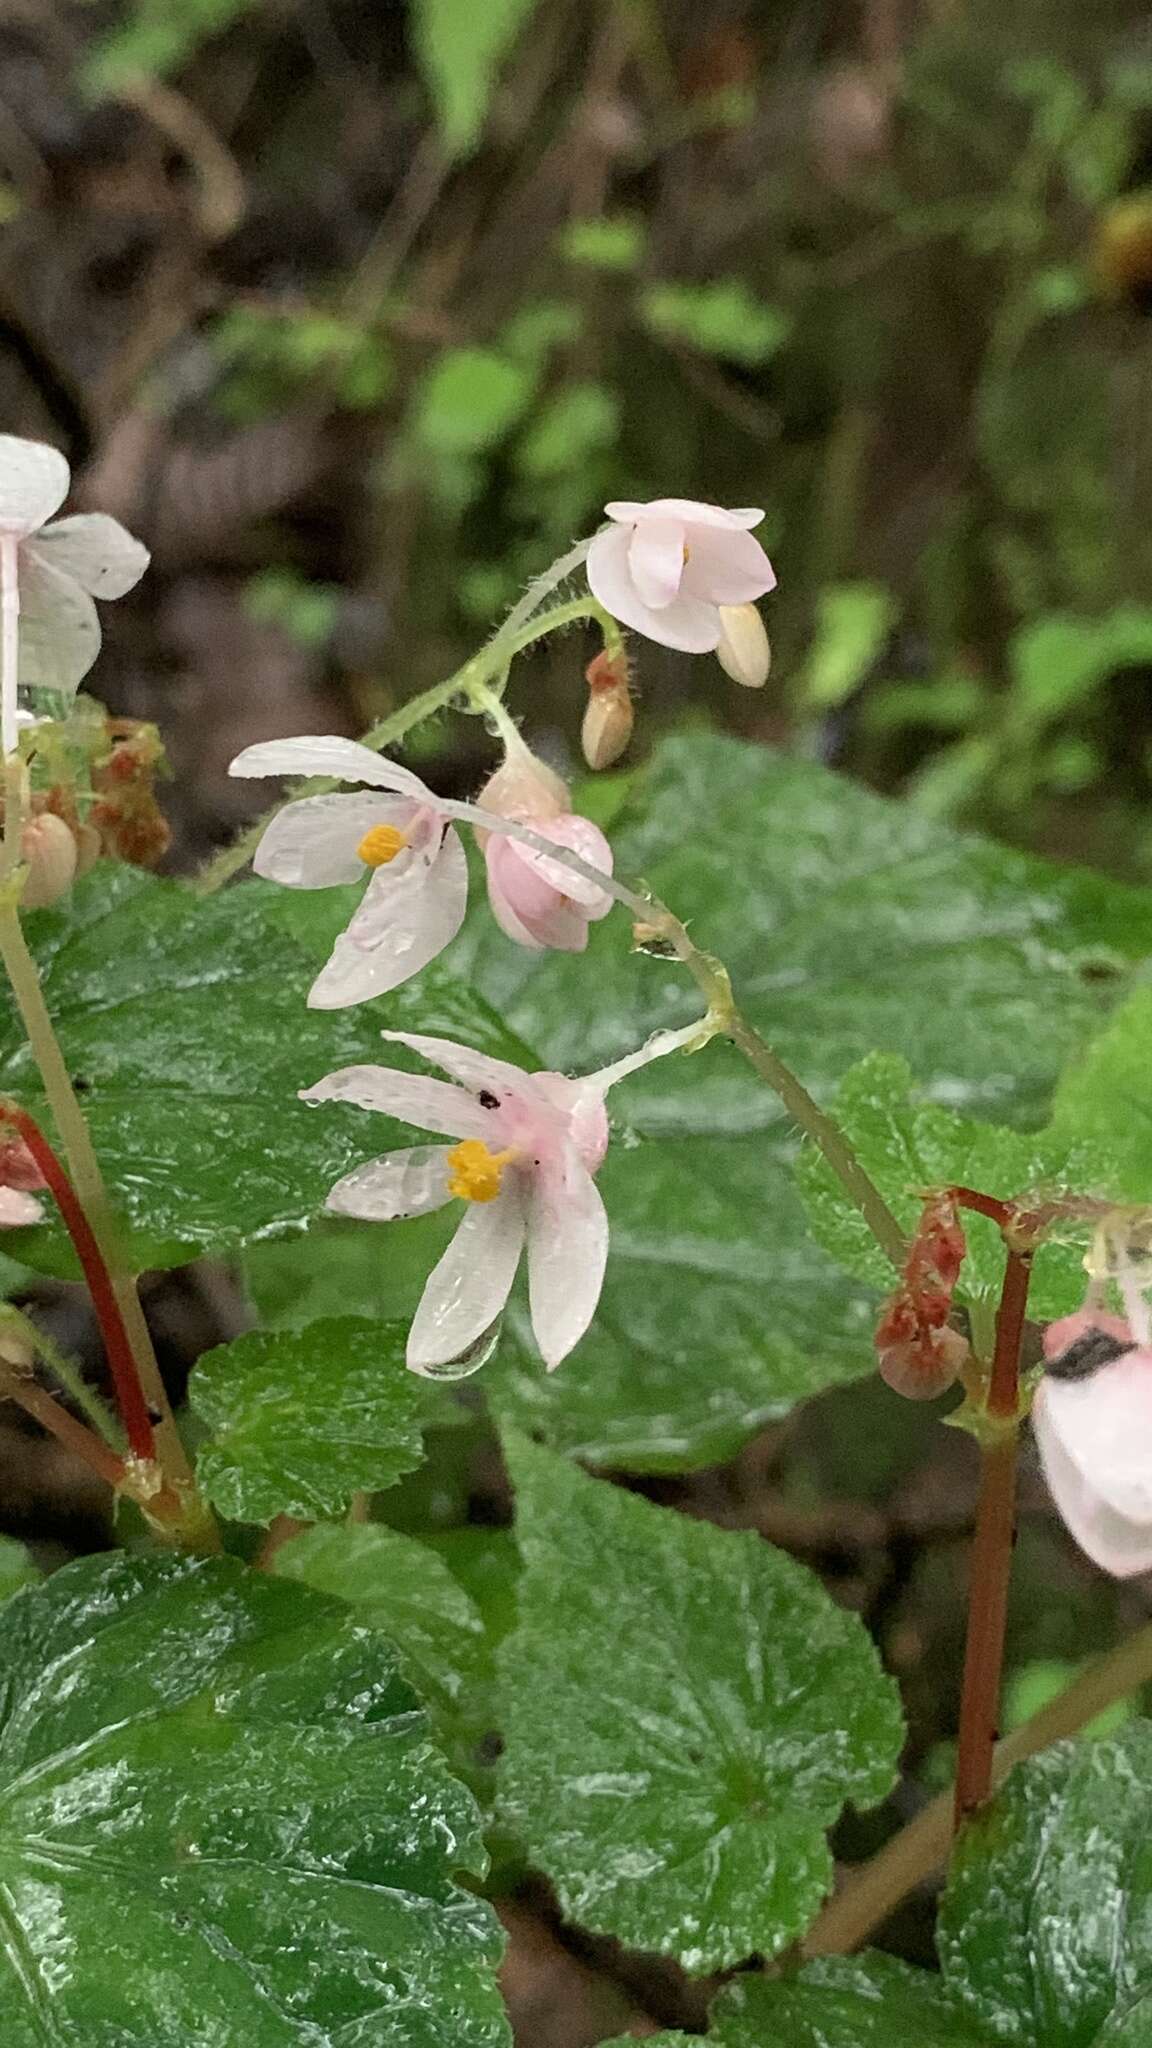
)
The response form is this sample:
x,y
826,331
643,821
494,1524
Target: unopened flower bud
x,y
16,1353
609,718
524,788
48,848
743,650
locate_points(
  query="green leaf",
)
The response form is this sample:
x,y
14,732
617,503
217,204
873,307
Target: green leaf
x,y
1044,1934
222,1821
155,40
402,1588
183,1021
573,427
614,241
1058,660
852,626
910,1147
848,922
685,1713
842,2002
460,48
724,319
469,399
302,1419
1106,1096
17,1568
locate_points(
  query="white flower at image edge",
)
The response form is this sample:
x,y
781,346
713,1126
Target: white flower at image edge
x,y
417,894
1092,1418
62,566
667,568
526,1149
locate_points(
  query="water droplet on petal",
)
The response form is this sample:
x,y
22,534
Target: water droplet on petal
x,y
469,1361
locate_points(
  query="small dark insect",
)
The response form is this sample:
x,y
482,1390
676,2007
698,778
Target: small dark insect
x,y
1086,1356
81,1083
488,1100
155,1417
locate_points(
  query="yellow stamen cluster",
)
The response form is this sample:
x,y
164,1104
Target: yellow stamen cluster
x,y
477,1172
381,845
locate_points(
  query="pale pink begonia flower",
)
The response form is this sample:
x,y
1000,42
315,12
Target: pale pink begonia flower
x,y
525,1152
1092,1418
668,567
397,833
61,565
535,900
19,1174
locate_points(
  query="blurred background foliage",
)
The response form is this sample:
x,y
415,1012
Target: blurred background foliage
x,y
359,310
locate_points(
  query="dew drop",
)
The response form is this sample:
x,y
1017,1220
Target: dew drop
x,y
467,1362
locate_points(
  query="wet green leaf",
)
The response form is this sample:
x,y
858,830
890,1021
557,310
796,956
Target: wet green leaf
x,y
685,1714
844,2002
1106,1098
302,1419
221,1820
460,48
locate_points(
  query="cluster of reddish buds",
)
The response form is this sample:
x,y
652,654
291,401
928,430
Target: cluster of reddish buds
x,y
920,1354
93,794
128,818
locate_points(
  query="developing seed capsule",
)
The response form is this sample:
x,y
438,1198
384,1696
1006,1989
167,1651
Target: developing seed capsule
x,y
48,848
743,650
609,717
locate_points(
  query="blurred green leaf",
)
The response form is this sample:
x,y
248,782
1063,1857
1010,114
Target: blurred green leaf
x,y
1042,1681
17,1567
156,37
570,429
1059,661
460,47
469,399
853,622
685,1713
1105,1097
724,319
604,241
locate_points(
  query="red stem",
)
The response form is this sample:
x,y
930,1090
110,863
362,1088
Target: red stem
x,y
987,1205
125,1379
992,1544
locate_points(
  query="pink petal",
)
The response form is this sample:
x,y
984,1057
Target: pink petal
x,y
33,483
59,629
585,839
326,754
1117,1544
312,844
411,1098
468,1288
525,904
96,551
17,1208
1104,1425
477,1070
1067,1330
726,568
405,920
686,623
581,1103
656,560
567,1252
400,1184
687,510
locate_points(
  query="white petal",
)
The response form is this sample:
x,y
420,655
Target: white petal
x,y
33,483
17,1208
1104,1425
411,1098
656,560
327,754
726,568
59,629
466,1291
96,551
686,623
687,510
400,1184
477,1070
312,844
1117,1544
567,1252
404,922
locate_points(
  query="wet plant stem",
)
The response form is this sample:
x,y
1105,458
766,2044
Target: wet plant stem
x,y
76,1436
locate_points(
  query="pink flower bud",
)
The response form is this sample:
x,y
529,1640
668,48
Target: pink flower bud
x,y
48,847
537,901
609,718
743,650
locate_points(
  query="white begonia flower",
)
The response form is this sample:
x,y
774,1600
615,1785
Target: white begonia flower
x,y
527,1148
417,894
1092,1418
61,566
668,567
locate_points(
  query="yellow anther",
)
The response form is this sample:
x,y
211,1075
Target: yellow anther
x,y
477,1172
381,845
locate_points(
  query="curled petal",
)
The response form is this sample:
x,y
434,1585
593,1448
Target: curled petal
x,y
33,483
687,623
327,754
656,561
400,1184
411,1098
688,511
468,1288
526,906
726,568
567,1253
312,844
96,551
476,1070
59,629
406,920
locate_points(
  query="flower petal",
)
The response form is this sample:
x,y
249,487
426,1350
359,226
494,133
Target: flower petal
x,y
411,1098
400,1184
311,844
686,623
689,511
59,629
17,1208
405,920
327,754
33,483
467,1289
726,568
96,551
567,1253
476,1070
1104,1425
527,906
1113,1541
656,560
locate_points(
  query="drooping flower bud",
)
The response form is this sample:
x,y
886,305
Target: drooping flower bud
x,y
536,900
609,717
524,788
919,1353
743,651
48,849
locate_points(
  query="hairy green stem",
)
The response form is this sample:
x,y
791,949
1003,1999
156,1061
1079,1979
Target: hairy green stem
x,y
69,1375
